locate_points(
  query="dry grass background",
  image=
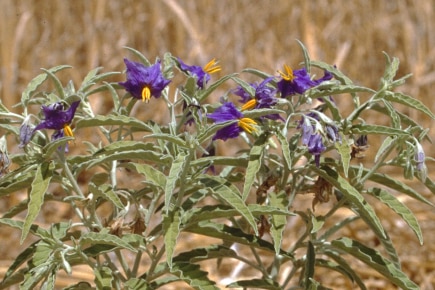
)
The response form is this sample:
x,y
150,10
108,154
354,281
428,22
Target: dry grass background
x,y
38,34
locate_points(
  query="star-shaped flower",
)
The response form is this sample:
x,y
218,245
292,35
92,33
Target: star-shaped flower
x,y
202,74
229,112
144,82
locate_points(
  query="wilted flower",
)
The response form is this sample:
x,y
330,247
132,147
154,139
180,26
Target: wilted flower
x,y
420,157
144,82
229,112
201,73
56,118
316,147
298,81
26,132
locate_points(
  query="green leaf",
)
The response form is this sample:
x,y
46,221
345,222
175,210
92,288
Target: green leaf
x,y
256,284
103,278
151,173
40,185
106,191
373,259
388,142
137,53
136,284
353,195
24,256
140,154
105,239
409,102
171,227
167,137
395,184
113,120
233,235
343,267
285,147
231,195
334,89
332,69
202,254
405,213
391,68
36,82
245,86
193,276
176,173
280,201
310,263
205,93
254,164
364,129
344,149
257,72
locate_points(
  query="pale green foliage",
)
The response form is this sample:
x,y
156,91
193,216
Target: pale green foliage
x,y
164,183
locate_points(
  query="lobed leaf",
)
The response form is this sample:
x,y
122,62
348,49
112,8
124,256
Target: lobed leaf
x,y
113,120
102,238
178,169
254,164
171,227
193,276
39,187
280,201
373,259
409,102
231,195
364,129
353,195
404,212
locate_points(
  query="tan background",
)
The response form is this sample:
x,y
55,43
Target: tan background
x,y
351,34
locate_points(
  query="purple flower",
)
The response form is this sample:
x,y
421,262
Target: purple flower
x,y
264,98
56,118
316,147
229,112
144,82
297,81
420,157
201,73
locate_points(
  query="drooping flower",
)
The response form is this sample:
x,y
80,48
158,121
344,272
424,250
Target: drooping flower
x,y
56,118
316,147
202,74
144,82
420,157
26,132
229,112
298,81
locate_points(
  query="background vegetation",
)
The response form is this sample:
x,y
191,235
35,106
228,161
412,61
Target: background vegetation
x,y
351,34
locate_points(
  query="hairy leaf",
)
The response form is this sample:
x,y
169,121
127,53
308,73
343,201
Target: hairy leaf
x,y
278,200
113,120
231,195
193,276
364,129
254,164
405,213
409,102
39,187
373,259
171,227
105,239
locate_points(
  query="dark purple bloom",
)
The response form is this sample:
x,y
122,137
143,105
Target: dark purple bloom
x,y
56,118
297,81
202,74
316,147
229,112
332,133
264,98
144,82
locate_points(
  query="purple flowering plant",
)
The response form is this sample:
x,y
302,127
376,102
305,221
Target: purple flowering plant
x,y
218,182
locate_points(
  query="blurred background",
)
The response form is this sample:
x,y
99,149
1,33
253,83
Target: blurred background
x,y
38,34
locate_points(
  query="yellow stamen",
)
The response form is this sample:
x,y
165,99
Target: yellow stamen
x,y
249,105
247,124
212,67
288,75
67,130
146,94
